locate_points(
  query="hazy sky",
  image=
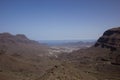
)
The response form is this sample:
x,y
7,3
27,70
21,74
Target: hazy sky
x,y
59,19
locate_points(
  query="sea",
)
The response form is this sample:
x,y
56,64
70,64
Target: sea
x,y
59,42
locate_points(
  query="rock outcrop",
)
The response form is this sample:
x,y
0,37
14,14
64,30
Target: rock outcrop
x,y
111,40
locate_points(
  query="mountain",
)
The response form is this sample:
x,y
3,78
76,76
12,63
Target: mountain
x,y
12,39
107,47
22,58
20,44
111,40
101,60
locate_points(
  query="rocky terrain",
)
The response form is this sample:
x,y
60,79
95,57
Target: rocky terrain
x,y
111,40
18,44
24,59
102,59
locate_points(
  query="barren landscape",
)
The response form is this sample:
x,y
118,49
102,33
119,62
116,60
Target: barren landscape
x,y
59,39
24,59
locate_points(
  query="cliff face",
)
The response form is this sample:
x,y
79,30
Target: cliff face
x,y
110,39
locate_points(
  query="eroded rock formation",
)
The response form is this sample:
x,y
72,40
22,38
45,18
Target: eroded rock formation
x,y
111,40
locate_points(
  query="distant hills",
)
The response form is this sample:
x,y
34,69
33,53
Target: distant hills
x,y
79,44
66,42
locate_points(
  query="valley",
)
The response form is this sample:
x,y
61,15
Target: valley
x,y
25,59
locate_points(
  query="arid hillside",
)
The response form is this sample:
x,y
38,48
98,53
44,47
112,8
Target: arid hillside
x,y
20,44
105,48
24,59
102,59
111,40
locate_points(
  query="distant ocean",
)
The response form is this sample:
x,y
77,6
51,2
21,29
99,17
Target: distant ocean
x,y
58,42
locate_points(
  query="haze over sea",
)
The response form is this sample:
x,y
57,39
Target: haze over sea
x,y
59,42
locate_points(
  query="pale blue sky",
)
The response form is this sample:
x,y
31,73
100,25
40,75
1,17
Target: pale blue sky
x,y
59,19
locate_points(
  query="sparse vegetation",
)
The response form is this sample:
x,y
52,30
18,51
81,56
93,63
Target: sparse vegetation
x,y
29,60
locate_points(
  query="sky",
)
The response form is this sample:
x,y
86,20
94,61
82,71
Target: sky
x,y
59,19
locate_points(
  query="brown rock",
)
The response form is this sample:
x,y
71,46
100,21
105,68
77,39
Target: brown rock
x,y
111,40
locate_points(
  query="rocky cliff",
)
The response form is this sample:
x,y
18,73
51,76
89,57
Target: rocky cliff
x,y
110,39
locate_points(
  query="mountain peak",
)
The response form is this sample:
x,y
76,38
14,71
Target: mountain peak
x,y
21,36
110,39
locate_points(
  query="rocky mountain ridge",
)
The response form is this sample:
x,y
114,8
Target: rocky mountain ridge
x,y
18,38
110,39
91,63
20,44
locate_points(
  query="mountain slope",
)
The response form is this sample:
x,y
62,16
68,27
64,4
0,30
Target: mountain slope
x,y
111,40
97,59
21,58
20,44
24,59
65,71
